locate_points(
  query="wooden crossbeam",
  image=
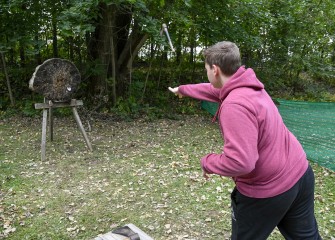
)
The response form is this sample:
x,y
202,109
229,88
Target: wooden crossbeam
x,y
51,104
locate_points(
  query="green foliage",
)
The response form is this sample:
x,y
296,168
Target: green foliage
x,y
74,23
289,44
4,102
129,106
28,109
24,107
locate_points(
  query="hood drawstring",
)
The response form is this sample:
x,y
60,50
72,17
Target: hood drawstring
x,y
217,113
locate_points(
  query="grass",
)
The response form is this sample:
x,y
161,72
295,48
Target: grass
x,y
141,172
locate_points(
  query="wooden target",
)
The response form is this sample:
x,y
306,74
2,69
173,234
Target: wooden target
x,y
56,79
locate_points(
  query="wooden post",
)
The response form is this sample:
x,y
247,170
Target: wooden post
x,y
51,122
44,133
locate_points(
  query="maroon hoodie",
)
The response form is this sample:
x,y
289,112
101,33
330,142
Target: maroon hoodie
x,y
259,153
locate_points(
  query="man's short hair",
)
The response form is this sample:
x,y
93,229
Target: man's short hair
x,y
225,55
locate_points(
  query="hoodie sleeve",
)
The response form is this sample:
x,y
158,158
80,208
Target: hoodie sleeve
x,y
201,91
240,152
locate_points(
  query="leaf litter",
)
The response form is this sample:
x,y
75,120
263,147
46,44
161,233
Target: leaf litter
x,y
141,172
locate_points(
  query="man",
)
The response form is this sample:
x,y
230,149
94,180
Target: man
x,y
274,182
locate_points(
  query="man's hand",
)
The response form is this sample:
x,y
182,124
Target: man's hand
x,y
205,174
175,91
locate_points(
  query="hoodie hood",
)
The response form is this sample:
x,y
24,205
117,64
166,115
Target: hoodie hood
x,y
241,79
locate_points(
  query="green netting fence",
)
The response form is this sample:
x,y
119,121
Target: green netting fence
x,y
313,123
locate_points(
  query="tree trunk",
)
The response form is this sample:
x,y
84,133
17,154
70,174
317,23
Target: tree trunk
x,y
114,48
38,57
192,45
12,101
22,55
71,51
135,41
178,47
99,48
54,36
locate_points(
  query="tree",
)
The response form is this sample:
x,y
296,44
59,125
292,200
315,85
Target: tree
x,y
283,41
120,29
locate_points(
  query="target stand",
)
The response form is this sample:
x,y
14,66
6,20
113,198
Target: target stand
x,y
57,80
47,107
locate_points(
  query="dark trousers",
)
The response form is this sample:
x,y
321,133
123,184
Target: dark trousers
x,y
292,212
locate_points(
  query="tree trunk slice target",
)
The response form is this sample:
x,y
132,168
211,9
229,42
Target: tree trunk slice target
x,y
56,79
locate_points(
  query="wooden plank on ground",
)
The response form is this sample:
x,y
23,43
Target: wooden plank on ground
x,y
112,236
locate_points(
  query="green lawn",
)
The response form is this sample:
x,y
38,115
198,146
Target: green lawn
x,y
141,172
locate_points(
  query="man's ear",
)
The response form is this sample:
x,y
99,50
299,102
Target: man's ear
x,y
216,69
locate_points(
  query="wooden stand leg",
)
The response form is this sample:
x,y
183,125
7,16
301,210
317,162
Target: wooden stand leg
x,y
80,125
47,106
44,133
51,124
